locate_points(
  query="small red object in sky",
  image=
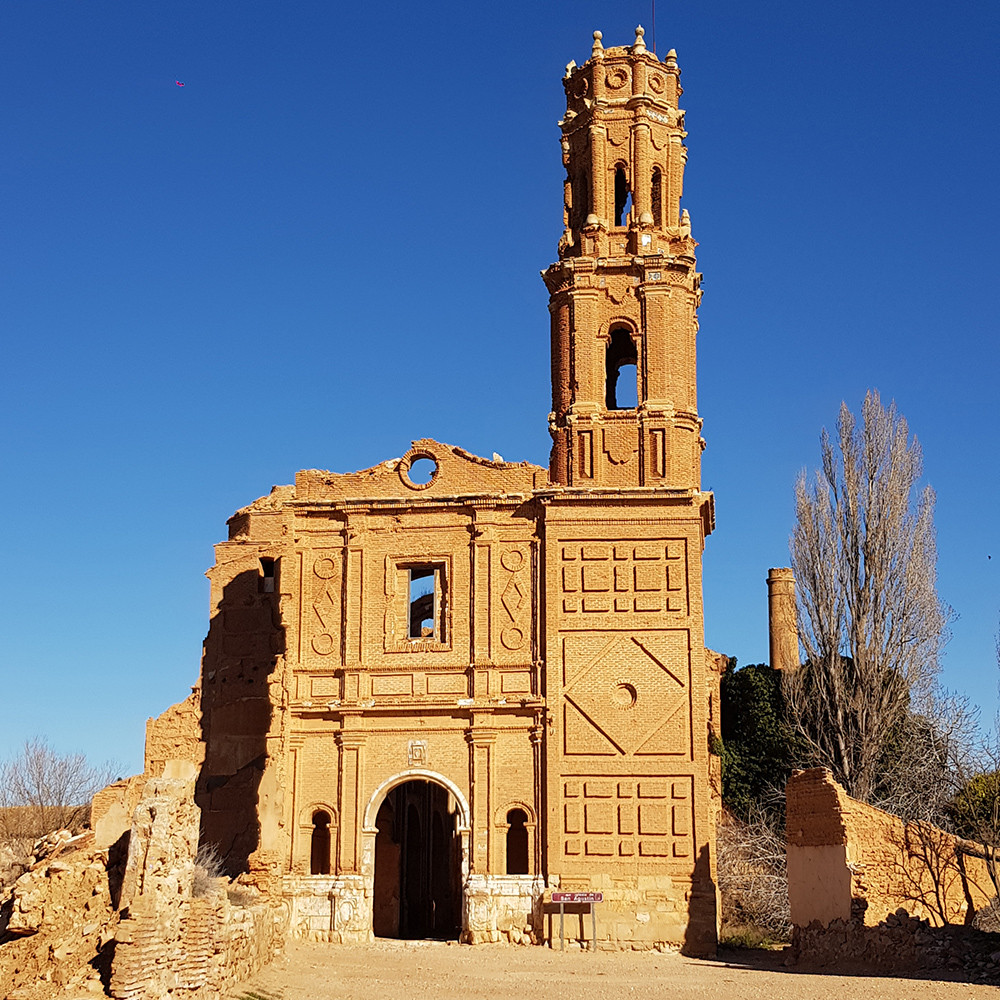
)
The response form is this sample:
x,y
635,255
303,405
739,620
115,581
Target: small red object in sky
x,y
178,82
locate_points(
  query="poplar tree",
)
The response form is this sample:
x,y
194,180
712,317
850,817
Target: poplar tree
x,y
870,621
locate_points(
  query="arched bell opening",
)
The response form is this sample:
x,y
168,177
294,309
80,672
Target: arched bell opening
x,y
656,197
621,371
623,197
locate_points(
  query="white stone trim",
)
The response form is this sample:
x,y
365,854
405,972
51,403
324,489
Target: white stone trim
x,y
416,774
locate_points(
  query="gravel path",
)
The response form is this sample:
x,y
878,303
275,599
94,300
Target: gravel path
x,y
412,970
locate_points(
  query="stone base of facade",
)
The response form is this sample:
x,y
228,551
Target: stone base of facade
x,y
657,913
336,908
503,908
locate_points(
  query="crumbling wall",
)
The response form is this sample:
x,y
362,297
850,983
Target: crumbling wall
x,y
899,943
175,735
183,931
864,886
112,807
143,917
842,852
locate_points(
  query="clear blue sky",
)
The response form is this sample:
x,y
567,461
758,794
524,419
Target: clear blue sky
x,y
328,241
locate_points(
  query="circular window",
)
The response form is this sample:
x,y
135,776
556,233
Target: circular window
x,y
418,470
624,695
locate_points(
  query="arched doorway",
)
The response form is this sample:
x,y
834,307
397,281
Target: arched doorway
x,y
418,863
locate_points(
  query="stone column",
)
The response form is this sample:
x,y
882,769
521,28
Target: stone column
x,y
537,734
781,619
642,174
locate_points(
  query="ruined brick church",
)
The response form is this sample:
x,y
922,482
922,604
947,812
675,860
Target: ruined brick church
x,y
436,689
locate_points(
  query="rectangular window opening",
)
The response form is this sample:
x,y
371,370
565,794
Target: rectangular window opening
x,y
267,567
424,602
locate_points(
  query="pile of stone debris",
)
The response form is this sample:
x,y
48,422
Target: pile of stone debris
x,y
58,919
900,944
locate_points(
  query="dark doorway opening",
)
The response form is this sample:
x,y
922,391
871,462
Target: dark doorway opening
x,y
418,864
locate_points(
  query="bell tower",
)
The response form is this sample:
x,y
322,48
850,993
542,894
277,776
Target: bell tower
x,y
628,681
624,292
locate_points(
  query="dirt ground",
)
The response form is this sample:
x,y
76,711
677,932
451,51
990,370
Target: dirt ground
x,y
406,970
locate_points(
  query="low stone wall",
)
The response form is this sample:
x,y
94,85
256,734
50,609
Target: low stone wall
x,y
339,908
843,853
329,908
503,908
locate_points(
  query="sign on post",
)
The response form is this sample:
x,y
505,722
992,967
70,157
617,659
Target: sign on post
x,y
589,898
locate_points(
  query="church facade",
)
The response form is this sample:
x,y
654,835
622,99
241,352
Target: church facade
x,y
435,690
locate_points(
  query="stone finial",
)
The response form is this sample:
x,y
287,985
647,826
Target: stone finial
x,y
597,52
640,45
570,66
671,59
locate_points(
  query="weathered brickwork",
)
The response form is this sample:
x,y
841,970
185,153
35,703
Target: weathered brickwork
x,y
179,933
848,860
58,922
136,917
437,688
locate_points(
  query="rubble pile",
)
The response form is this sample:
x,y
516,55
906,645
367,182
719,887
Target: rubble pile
x,y
900,943
139,918
58,920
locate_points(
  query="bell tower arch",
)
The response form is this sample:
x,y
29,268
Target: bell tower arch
x,y
624,292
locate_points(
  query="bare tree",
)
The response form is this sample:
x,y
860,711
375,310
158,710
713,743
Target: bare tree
x,y
927,758
42,790
752,871
870,621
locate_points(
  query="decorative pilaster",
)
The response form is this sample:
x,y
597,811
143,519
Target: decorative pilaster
x,y
351,749
481,743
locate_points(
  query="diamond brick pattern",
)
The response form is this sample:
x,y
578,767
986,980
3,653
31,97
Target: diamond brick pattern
x,y
627,685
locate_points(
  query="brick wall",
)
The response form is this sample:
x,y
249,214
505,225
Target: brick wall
x,y
843,853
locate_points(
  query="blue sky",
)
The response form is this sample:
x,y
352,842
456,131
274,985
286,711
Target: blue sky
x,y
327,243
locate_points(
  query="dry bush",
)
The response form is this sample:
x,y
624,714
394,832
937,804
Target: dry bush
x,y
208,868
41,790
15,856
987,918
752,873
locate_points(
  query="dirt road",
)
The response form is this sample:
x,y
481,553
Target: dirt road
x,y
407,970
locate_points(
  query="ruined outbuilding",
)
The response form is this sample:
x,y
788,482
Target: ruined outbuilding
x,y
438,688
